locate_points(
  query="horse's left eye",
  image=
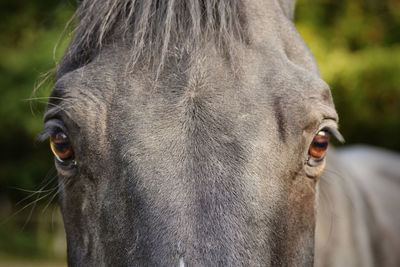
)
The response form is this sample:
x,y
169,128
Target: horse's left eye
x,y
320,144
61,146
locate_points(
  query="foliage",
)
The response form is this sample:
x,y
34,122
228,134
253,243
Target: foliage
x,y
28,34
357,46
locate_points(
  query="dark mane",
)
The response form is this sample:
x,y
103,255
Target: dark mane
x,y
153,28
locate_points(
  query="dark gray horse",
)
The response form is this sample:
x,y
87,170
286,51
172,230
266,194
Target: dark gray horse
x,y
194,133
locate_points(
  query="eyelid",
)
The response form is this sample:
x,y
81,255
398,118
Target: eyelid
x,y
51,114
51,127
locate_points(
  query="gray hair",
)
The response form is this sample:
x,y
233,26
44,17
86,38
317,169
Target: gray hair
x,y
152,29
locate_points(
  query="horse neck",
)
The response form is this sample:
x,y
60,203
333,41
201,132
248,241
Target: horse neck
x,y
357,220
343,219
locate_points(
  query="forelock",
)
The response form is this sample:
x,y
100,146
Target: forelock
x,y
153,29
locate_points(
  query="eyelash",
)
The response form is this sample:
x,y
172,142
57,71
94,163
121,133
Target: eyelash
x,y
47,132
335,133
51,127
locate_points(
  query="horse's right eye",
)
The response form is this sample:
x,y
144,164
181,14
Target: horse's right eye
x,y
61,146
320,144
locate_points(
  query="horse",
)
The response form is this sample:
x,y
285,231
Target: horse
x,y
195,133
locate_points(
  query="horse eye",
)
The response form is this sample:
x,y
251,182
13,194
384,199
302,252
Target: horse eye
x,y
320,144
61,147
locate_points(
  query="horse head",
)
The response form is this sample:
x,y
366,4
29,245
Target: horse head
x,y
189,133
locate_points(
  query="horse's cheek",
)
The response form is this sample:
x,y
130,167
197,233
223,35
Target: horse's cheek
x,y
301,218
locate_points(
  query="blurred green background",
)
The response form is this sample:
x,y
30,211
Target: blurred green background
x,y
356,43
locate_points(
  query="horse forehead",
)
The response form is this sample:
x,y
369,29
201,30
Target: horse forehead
x,y
264,94
262,83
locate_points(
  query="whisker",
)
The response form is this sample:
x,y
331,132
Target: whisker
x,y
51,199
44,97
51,174
61,108
46,77
23,208
60,187
37,191
38,194
327,204
52,216
31,191
29,215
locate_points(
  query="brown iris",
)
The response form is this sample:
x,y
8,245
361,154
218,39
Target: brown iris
x,y
319,145
61,146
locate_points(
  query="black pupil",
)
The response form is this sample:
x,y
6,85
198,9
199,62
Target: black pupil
x,y
62,147
319,144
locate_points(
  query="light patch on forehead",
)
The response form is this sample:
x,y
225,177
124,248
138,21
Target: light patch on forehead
x,y
181,262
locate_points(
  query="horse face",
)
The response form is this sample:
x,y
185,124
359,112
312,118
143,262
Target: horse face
x,y
209,165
